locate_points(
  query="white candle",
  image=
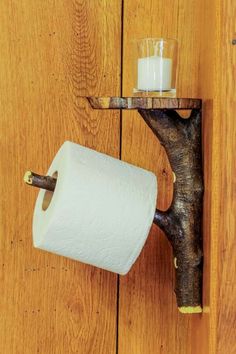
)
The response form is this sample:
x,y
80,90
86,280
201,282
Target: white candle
x,y
154,73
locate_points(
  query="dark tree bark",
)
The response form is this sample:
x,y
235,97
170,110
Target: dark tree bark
x,y
44,182
181,223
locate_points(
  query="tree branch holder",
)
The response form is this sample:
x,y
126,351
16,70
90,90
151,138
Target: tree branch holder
x,y
181,223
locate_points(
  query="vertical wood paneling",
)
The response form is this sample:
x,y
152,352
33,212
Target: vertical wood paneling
x,y
205,331
225,130
51,53
149,321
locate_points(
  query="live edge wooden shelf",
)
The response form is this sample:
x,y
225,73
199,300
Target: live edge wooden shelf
x,y
182,222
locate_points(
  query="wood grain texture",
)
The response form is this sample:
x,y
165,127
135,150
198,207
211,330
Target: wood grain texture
x,y
144,103
205,330
52,53
149,321
225,131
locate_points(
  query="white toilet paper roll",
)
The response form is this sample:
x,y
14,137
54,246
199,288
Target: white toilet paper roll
x,y
100,212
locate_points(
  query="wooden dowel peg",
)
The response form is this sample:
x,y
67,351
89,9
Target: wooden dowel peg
x,y
44,182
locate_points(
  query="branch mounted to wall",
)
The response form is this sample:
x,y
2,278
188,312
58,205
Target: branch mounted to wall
x,y
181,223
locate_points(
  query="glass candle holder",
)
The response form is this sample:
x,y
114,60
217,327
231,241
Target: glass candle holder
x,y
156,63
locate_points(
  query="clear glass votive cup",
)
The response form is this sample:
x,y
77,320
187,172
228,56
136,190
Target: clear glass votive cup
x,y
156,62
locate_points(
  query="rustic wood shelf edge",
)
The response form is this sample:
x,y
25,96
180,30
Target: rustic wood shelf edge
x,y
182,222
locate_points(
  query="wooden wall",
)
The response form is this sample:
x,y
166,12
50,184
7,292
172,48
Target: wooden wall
x,y
225,175
51,54
149,321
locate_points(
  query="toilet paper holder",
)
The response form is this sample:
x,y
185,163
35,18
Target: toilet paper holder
x,y
181,223
181,139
